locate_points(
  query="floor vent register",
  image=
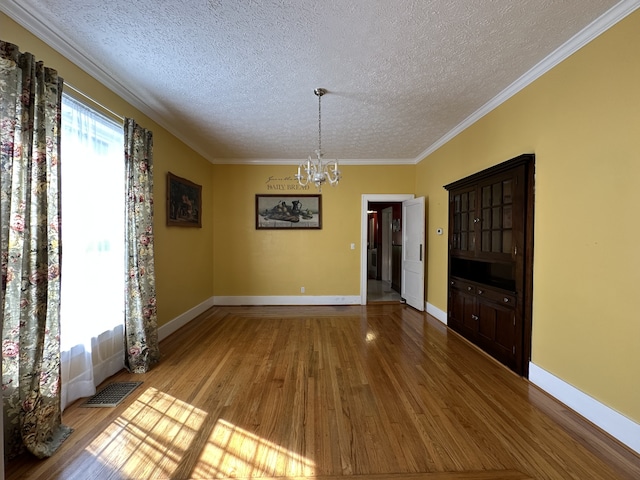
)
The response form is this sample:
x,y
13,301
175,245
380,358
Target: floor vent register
x,y
112,395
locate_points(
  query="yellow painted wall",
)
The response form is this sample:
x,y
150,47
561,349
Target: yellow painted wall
x,y
275,262
582,120
183,256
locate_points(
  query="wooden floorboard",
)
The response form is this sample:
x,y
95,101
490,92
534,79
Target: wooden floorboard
x,y
378,392
483,475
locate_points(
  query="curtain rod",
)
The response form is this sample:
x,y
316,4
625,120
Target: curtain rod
x,y
87,97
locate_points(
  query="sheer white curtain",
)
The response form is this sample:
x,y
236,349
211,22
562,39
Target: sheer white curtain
x,y
93,262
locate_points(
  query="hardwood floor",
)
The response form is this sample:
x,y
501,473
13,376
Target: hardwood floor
x,y
379,391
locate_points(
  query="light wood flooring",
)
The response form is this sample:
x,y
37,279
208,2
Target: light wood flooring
x,y
377,392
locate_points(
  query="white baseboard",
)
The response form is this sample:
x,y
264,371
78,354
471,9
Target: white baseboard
x,y
624,429
181,320
437,313
288,300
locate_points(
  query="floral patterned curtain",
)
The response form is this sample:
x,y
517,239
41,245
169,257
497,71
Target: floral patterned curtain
x,y
30,253
141,325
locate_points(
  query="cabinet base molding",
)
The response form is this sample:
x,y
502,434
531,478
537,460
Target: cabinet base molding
x,y
615,424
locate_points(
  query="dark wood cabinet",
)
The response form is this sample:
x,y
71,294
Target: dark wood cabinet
x,y
487,316
490,260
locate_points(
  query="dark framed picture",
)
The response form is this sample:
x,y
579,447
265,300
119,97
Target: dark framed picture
x,y
287,212
184,202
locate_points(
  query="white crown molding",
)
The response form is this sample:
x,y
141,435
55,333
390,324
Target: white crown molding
x,y
575,43
153,110
296,162
38,27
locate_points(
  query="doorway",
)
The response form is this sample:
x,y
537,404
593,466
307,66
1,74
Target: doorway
x,y
377,246
384,252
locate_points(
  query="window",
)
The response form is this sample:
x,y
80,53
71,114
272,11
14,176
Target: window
x,y
93,264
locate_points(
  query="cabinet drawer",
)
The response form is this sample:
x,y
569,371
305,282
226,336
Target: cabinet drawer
x,y
496,296
463,285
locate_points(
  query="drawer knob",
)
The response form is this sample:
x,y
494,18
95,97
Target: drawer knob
x,y
506,300
469,288
452,282
480,292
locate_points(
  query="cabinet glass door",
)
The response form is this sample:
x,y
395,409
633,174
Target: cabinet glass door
x,y
496,212
463,208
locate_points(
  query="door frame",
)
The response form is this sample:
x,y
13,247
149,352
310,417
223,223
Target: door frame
x,y
366,198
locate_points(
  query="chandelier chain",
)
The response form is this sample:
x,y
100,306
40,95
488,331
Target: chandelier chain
x,y
319,123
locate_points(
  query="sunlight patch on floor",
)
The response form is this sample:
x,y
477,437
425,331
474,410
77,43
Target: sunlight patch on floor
x,y
234,452
150,438
154,438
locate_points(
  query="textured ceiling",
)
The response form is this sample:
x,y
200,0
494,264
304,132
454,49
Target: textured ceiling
x,y
235,79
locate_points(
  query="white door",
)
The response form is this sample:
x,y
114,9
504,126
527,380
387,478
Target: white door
x,y
413,252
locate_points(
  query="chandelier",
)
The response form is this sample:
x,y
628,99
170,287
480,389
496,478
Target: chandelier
x,y
316,170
